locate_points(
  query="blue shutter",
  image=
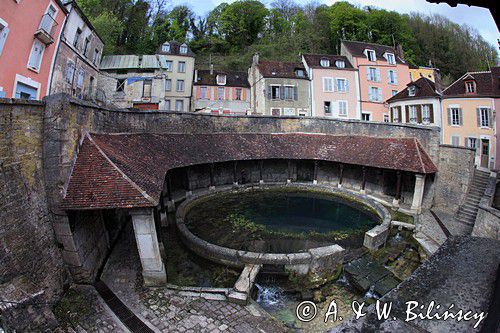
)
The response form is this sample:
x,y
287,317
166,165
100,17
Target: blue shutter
x,y
378,74
370,97
347,85
3,38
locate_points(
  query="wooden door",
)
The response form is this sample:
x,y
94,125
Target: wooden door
x,y
485,153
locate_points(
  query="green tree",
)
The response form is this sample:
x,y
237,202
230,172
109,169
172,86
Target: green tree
x,y
110,29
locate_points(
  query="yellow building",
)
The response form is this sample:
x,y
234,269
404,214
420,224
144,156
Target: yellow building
x,y
416,72
469,115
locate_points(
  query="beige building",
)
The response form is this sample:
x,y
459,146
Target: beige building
x,y
469,115
279,88
431,73
163,81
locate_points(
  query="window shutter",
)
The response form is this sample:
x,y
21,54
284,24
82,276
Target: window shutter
x,y
389,76
378,74
282,92
478,117
407,109
325,88
379,94
370,97
295,93
431,113
3,38
268,92
368,74
460,116
400,114
395,77
419,113
490,118
347,85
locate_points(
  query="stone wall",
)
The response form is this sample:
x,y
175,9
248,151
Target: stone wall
x,y
456,166
28,251
488,218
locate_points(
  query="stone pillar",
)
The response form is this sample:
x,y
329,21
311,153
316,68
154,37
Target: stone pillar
x,y
235,177
363,182
289,168
261,173
341,174
212,181
189,192
418,193
153,270
315,174
395,201
170,200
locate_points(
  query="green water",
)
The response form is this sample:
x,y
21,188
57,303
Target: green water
x,y
274,215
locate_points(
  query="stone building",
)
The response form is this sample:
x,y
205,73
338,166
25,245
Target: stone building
x,y
418,103
334,86
225,92
76,69
161,81
279,88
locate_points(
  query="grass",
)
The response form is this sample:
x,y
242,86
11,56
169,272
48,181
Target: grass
x,y
400,216
72,307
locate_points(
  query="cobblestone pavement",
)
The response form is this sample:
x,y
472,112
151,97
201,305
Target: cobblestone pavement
x,y
82,310
172,311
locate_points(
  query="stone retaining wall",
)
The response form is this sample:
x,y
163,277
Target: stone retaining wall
x,y
488,218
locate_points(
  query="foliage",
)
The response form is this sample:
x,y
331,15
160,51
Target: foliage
x,y
229,34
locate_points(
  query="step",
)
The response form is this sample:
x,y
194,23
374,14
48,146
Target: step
x,y
472,210
469,223
467,215
428,244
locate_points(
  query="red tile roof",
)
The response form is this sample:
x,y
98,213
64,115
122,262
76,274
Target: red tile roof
x,y
314,60
128,170
357,49
486,85
281,69
425,88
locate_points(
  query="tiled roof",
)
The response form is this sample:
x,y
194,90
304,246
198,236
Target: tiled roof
x,y
128,170
313,60
281,69
357,49
486,85
175,50
425,88
233,79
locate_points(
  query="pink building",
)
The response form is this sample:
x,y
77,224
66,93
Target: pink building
x,y
29,36
382,74
334,86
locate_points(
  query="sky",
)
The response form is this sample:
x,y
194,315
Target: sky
x,y
477,17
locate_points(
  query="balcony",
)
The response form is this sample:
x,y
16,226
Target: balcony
x,y
45,32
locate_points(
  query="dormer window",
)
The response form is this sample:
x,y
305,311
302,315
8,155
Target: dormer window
x,y
340,63
370,55
391,60
221,79
411,90
184,49
470,87
299,72
165,47
324,63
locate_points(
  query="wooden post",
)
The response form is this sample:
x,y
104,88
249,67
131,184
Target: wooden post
x,y
261,166
188,184
289,166
315,175
212,182
395,202
363,182
341,174
235,177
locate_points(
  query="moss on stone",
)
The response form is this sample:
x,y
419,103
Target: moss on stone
x,y
72,307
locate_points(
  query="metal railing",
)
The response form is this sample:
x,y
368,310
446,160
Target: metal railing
x,y
47,24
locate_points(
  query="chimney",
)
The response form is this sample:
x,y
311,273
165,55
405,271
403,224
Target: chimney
x,y
255,59
211,69
399,51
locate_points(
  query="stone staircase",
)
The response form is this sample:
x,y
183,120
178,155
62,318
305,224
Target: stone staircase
x,y
468,211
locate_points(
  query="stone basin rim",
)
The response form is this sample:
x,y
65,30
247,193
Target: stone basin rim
x,y
239,258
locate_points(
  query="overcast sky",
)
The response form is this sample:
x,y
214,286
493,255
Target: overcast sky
x,y
477,17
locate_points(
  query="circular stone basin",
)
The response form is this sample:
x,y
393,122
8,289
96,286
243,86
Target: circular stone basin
x,y
280,220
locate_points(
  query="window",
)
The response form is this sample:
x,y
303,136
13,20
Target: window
x,y
289,93
370,55
221,93
168,106
484,117
392,77
238,94
426,114
275,92
342,85
203,92
70,71
78,34
328,107
179,105
366,116
180,85
412,90
455,116
375,94
275,112
169,65
471,142
391,60
328,84
413,114
340,63
25,91
165,48
146,88
48,20
86,46
96,57
36,55
221,79
324,63
455,140
183,49
4,32
289,111
300,73
470,87
120,85
79,78
302,112
343,108
181,68
168,84
386,118
394,92
395,112
373,74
